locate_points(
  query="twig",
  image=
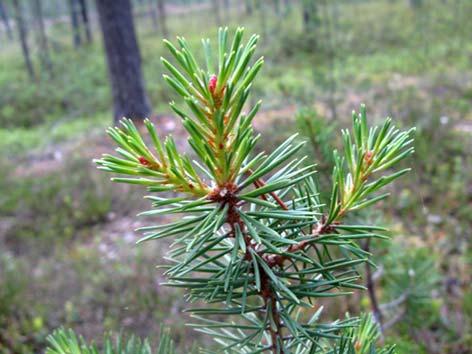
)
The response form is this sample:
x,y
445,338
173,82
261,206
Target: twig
x,y
261,183
393,320
370,284
378,273
270,299
394,303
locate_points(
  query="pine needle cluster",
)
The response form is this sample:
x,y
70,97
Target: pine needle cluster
x,y
252,239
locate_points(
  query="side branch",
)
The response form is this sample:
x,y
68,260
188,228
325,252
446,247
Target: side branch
x,y
260,183
370,284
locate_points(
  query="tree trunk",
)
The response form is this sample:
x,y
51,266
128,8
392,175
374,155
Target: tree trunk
x,y
310,15
153,14
248,7
74,20
42,39
416,3
161,10
23,36
6,22
85,20
123,58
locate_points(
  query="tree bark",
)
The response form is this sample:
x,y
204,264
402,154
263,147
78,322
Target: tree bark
x,y
123,58
6,22
23,36
44,56
161,10
85,20
248,7
310,14
74,20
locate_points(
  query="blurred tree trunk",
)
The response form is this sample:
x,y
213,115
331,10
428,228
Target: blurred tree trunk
x,y
23,36
216,11
85,19
123,58
248,7
330,16
310,14
4,14
152,9
74,19
58,8
416,3
161,10
42,39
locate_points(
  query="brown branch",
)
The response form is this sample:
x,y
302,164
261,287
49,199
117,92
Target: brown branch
x,y
270,299
278,325
279,259
276,259
258,184
370,284
261,183
395,319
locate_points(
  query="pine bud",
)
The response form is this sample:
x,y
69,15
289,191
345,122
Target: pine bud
x,y
368,157
357,346
143,161
212,84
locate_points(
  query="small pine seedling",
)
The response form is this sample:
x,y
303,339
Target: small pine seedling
x,y
254,242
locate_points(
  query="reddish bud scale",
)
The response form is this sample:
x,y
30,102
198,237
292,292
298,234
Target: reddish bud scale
x,y
358,346
368,157
143,161
212,84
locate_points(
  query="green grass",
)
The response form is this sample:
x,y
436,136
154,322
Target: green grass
x,y
18,141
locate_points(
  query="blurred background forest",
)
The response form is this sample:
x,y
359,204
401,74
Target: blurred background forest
x,y
67,249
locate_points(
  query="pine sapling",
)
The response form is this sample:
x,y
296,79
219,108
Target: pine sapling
x,y
253,241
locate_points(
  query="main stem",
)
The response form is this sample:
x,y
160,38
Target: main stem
x,y
275,333
267,293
